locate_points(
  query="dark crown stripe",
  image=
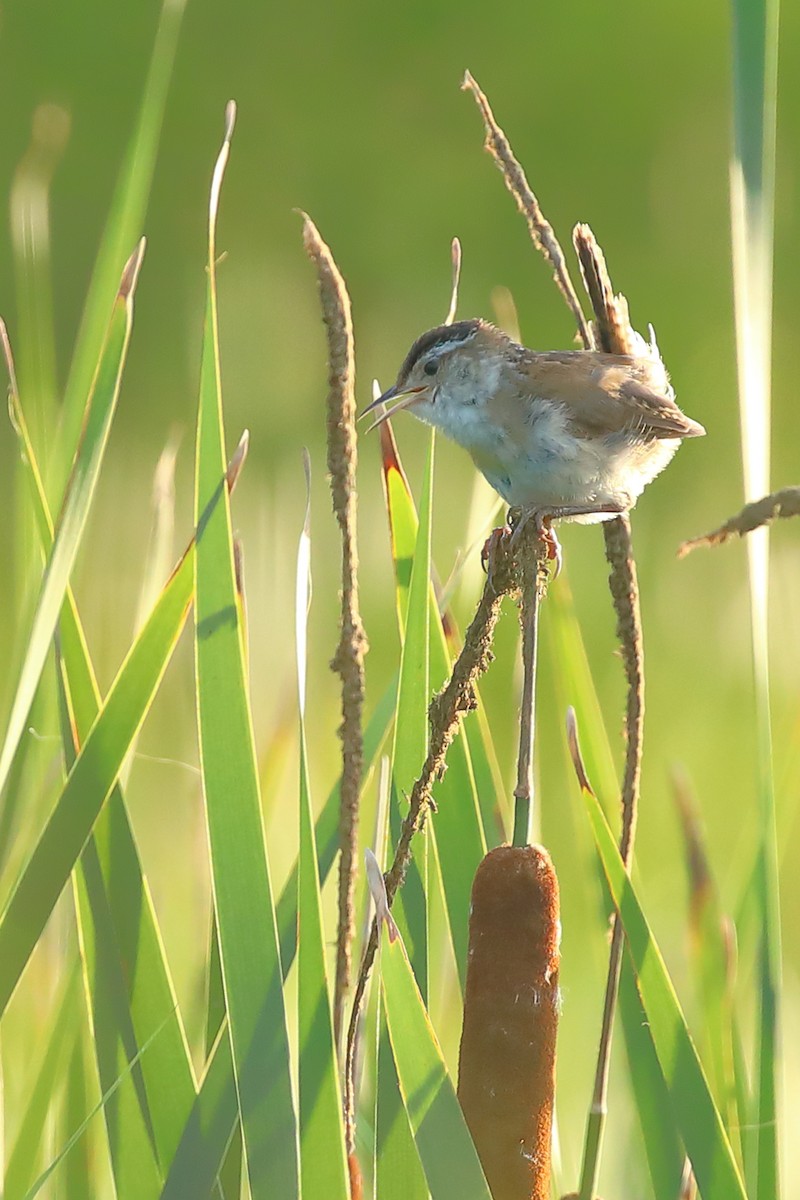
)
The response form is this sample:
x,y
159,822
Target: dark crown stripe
x,y
442,336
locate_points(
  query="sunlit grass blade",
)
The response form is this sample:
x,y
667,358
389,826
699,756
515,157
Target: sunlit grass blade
x,y
229,1181
755,79
245,914
398,1170
21,1165
713,960
662,1144
91,780
459,828
129,1128
208,1131
323,1167
327,840
575,687
695,1113
75,509
30,239
448,1156
79,1169
113,899
411,735
326,828
83,1127
125,222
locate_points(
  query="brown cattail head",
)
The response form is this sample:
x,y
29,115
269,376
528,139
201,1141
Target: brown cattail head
x,y
508,1042
356,1185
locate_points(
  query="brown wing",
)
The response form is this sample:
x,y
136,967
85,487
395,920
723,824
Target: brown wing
x,y
606,393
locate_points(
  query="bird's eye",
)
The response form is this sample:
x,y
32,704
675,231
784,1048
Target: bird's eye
x,y
431,367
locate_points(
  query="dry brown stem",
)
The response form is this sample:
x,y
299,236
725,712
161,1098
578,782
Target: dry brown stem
x,y
613,335
540,229
348,662
446,709
785,503
610,332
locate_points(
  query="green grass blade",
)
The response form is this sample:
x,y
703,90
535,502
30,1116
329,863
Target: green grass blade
x,y
124,225
575,686
129,1126
755,71
411,736
79,1167
327,839
75,509
326,828
229,1181
116,918
21,1164
81,1130
398,1170
323,1167
460,837
29,205
662,1144
91,779
712,949
448,1156
251,967
696,1115
208,1131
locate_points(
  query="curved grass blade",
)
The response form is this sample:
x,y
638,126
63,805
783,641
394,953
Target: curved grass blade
x,y
323,1166
694,1110
118,900
245,913
91,779
75,509
125,222
446,1150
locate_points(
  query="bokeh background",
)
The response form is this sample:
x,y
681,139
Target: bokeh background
x,y
352,111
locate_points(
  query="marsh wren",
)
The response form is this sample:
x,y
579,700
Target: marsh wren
x,y
576,433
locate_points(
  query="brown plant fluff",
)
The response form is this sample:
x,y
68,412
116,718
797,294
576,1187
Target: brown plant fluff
x,y
508,1041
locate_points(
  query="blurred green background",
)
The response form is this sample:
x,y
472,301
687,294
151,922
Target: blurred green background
x,y
352,111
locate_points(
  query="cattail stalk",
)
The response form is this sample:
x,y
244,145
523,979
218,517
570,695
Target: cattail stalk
x,y
506,1071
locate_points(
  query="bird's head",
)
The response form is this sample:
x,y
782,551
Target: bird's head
x,y
448,370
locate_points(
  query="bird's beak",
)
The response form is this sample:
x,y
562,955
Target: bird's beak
x,y
402,400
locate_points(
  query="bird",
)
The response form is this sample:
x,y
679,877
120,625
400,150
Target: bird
x,y
559,434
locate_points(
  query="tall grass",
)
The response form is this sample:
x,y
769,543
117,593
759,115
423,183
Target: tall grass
x,y
253,1105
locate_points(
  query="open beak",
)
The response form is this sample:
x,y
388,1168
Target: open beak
x,y
402,400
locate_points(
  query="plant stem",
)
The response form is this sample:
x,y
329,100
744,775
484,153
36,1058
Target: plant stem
x,y
348,662
534,583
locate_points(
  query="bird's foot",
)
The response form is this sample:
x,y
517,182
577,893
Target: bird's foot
x,y
544,531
